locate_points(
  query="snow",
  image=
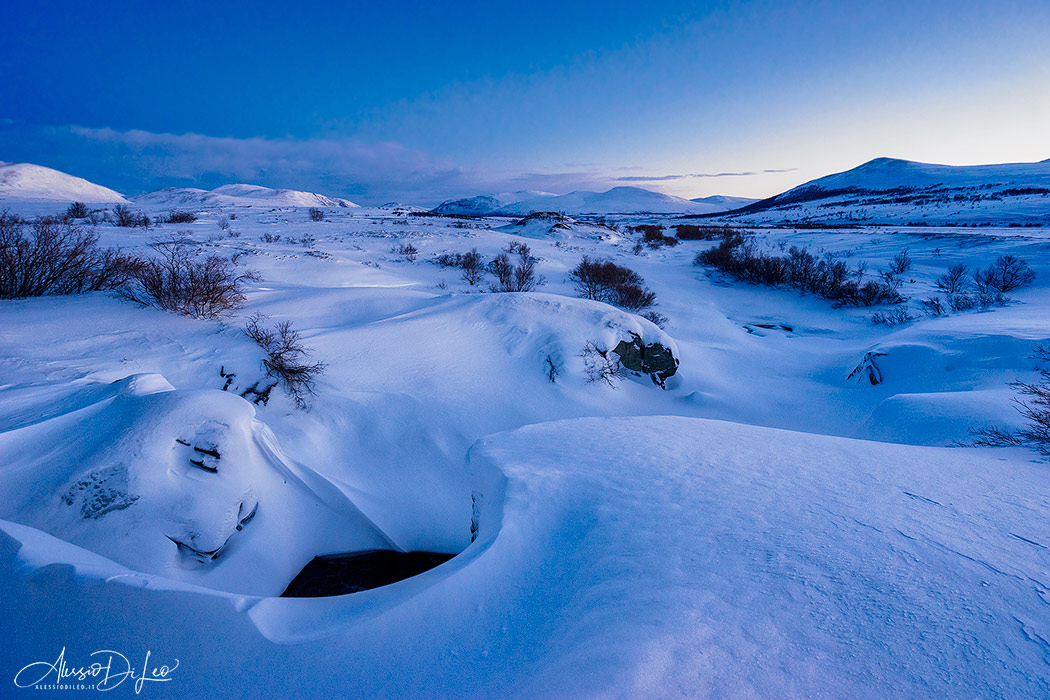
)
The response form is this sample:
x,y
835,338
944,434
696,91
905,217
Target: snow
x,y
762,526
25,182
888,191
618,200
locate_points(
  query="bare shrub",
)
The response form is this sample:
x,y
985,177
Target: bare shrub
x,y
316,214
692,232
896,317
604,280
270,237
450,259
515,277
48,257
286,357
901,263
176,280
954,280
1006,274
77,210
124,217
224,223
180,217
821,276
473,267
601,365
1033,403
408,250
934,307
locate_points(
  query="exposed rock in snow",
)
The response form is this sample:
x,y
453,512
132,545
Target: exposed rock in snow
x,y
652,359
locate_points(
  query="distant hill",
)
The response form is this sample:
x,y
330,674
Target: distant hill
x,y
726,202
892,191
240,195
619,200
25,182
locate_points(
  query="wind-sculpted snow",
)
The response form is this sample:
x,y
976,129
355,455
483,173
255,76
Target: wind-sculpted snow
x,y
710,537
170,482
638,557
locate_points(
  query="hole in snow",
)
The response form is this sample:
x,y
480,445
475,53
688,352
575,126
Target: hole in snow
x,y
352,572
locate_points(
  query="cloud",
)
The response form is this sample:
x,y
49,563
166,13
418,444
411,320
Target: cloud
x,y
662,178
369,172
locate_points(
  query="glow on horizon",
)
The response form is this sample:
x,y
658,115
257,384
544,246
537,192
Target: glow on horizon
x,y
552,96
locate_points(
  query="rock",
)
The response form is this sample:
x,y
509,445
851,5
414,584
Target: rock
x,y
653,359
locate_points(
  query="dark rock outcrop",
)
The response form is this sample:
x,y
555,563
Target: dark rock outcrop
x,y
653,359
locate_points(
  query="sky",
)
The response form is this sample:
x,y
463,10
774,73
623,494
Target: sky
x,y
418,102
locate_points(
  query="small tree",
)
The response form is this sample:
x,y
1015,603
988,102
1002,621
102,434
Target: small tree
x,y
77,210
316,214
954,280
1006,274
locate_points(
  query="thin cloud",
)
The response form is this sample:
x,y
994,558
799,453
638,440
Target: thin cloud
x,y
662,178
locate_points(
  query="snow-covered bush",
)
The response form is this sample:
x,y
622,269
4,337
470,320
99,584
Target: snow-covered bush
x,y
47,257
604,280
179,281
316,214
601,365
286,357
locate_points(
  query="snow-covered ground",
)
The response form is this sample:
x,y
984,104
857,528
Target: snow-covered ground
x,y
762,526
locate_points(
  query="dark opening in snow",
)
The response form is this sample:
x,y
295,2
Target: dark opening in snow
x,y
351,572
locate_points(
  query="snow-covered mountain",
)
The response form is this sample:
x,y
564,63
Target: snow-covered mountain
x,y
240,195
618,200
25,182
727,202
486,204
891,191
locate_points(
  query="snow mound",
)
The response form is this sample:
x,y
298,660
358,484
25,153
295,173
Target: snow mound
x,y
25,182
240,195
547,224
184,484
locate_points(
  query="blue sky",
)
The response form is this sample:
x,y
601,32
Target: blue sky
x,y
419,101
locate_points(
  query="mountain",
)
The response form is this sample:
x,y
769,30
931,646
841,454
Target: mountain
x,y
240,195
483,205
894,192
25,182
726,202
618,200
